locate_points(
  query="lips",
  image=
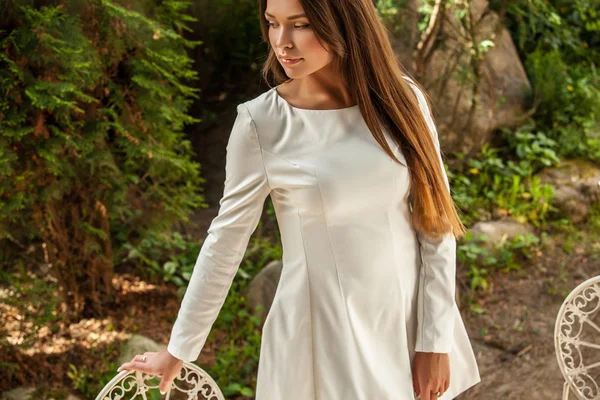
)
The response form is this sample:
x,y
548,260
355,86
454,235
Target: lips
x,y
290,61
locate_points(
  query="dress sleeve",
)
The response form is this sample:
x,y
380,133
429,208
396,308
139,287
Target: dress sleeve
x,y
245,190
437,275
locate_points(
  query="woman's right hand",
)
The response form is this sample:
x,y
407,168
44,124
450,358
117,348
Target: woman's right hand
x,y
160,363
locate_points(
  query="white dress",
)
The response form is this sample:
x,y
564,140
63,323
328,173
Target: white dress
x,y
360,290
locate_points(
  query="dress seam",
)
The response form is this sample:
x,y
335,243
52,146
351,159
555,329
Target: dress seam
x,y
259,146
334,260
423,276
312,337
277,155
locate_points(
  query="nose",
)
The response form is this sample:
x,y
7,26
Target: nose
x,y
282,38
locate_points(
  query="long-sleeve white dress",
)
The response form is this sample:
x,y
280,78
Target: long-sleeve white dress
x,y
360,290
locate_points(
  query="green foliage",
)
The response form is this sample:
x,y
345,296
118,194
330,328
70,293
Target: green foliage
x,y
570,100
569,26
92,153
232,50
560,47
575,235
474,256
534,149
512,252
504,179
34,298
505,256
594,219
90,381
491,180
82,379
181,254
392,12
237,359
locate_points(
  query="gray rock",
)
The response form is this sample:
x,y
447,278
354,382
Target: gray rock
x,y
501,230
30,393
503,84
575,187
571,203
261,291
20,393
137,344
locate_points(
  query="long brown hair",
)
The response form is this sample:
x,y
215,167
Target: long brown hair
x,y
364,56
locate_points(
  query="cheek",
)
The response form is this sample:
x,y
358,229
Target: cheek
x,y
314,50
306,44
272,38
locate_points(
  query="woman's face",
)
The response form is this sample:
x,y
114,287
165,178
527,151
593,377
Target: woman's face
x,y
294,38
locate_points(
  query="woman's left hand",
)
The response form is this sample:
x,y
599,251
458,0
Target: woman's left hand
x,y
431,373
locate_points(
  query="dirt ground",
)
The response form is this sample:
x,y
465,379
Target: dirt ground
x,y
514,338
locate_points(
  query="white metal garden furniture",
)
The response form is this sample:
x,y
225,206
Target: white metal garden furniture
x,y
577,341
192,383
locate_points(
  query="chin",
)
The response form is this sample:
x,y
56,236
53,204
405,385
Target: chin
x,y
295,74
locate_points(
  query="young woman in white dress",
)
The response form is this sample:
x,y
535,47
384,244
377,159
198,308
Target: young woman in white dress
x,y
347,149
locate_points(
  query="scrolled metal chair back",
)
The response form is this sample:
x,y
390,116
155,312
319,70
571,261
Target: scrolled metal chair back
x,y
577,341
192,383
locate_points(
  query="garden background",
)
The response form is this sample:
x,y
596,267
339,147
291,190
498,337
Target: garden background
x,y
114,117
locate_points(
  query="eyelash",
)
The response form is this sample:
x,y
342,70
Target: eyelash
x,y
297,26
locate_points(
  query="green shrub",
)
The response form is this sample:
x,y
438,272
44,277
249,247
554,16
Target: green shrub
x,y
496,179
92,153
559,45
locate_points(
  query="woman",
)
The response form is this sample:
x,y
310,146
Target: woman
x,y
344,146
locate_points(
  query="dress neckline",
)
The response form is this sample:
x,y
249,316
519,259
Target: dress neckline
x,y
308,110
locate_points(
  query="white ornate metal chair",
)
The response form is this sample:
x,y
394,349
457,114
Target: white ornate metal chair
x,y
577,341
192,383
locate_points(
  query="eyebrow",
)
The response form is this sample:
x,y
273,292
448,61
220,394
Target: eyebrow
x,y
290,17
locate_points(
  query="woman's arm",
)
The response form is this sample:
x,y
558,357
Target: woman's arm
x,y
437,277
246,188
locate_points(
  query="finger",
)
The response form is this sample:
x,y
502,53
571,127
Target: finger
x,y
139,357
415,384
417,391
446,385
426,393
137,366
165,384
